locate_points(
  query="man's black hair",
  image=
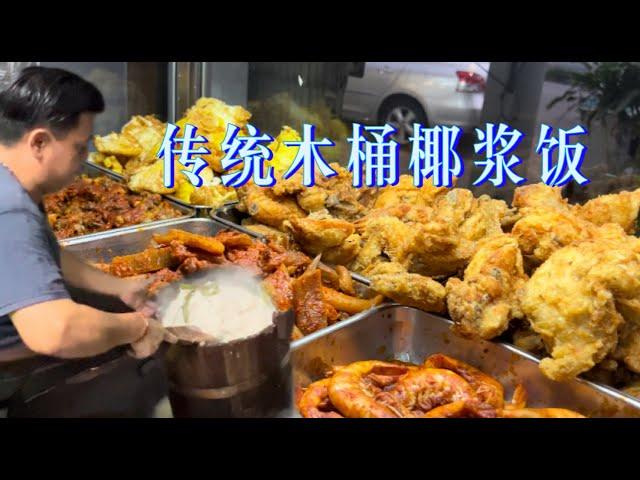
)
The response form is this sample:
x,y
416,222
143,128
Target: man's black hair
x,y
45,97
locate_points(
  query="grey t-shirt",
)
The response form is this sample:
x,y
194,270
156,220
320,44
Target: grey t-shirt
x,y
29,255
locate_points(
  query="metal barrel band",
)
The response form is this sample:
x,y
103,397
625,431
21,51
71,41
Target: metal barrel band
x,y
219,393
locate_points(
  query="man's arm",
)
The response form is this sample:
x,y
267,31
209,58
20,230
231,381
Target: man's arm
x,y
82,275
65,329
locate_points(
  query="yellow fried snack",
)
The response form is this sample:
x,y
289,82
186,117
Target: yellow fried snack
x,y
184,191
284,155
150,178
112,163
117,144
148,133
213,195
211,114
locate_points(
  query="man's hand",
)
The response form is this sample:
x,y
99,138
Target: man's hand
x,y
151,340
134,294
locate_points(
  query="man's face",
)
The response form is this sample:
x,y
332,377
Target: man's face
x,y
65,156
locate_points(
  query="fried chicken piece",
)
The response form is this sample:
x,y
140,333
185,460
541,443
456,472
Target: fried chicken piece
x,y
620,208
436,249
405,192
384,239
489,296
273,235
539,196
289,186
474,218
393,281
549,223
405,212
435,240
444,245
345,253
313,199
317,235
342,199
334,194
542,232
455,206
486,218
267,208
571,302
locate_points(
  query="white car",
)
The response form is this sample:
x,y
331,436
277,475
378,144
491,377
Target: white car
x,y
400,94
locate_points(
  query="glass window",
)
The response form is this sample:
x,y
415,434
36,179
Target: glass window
x,y
129,88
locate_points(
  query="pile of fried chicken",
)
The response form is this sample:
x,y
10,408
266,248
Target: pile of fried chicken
x,y
442,387
560,280
319,295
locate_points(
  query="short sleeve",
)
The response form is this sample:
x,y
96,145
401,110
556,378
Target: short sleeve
x,y
29,273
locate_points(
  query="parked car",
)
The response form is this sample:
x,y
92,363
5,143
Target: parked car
x,y
443,93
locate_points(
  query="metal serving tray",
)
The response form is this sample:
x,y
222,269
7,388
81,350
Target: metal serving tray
x,y
112,243
407,334
199,210
94,171
105,247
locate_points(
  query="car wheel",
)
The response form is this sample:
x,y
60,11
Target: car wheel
x,y
401,114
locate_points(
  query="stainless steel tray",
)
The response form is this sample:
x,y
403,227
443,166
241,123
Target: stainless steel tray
x,y
105,247
95,171
407,334
230,216
124,242
199,210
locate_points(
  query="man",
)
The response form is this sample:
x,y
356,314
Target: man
x,y
46,123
